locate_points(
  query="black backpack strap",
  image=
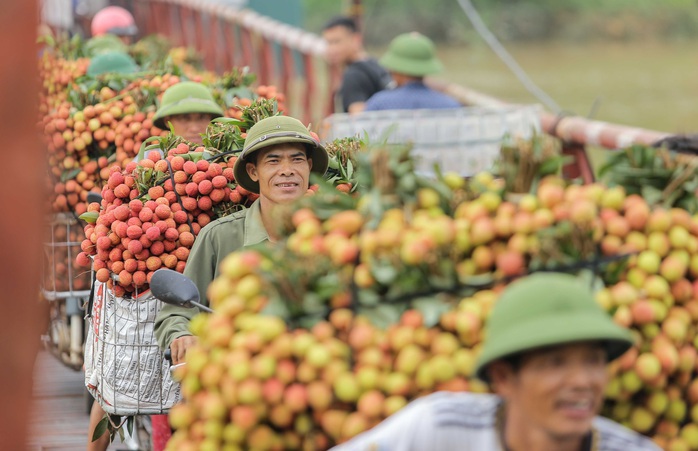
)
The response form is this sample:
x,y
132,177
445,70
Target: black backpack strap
x,y
379,80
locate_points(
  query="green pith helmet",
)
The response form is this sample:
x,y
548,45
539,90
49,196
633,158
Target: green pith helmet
x,y
112,63
276,130
411,54
186,97
548,309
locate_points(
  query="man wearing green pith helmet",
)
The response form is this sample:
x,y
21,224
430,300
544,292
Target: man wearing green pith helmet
x,y
112,63
189,107
546,347
410,58
276,161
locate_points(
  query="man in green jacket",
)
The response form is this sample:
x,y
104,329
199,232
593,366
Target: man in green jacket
x,y
278,156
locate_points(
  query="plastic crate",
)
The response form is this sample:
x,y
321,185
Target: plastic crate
x,y
62,277
66,287
464,140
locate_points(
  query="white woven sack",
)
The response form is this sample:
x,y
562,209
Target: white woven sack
x,y
124,368
463,140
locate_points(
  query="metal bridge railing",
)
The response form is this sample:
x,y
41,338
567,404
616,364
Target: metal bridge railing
x,y
227,36
575,132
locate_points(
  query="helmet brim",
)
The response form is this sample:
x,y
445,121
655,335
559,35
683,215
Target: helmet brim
x,y
130,30
397,64
557,328
189,105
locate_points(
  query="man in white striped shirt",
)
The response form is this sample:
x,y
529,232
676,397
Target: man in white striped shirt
x,y
545,354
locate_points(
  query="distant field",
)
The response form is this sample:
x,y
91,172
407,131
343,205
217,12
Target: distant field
x,y
653,86
648,85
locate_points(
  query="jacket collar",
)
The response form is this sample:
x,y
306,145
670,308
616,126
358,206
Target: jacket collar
x,y
254,227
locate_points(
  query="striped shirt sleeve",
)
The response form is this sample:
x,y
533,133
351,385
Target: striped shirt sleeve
x,y
440,421
397,432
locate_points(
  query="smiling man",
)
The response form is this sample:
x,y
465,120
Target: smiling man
x,y
545,354
278,156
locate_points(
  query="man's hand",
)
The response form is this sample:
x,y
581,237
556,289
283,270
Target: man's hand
x,y
356,107
179,347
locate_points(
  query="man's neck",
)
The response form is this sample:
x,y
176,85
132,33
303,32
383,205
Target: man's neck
x,y
269,218
520,435
358,56
402,80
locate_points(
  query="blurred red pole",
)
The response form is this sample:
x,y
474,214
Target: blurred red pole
x,y
20,230
266,62
311,88
197,17
230,47
214,48
182,31
287,74
247,50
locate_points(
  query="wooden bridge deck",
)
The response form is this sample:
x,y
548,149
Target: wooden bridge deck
x,y
59,419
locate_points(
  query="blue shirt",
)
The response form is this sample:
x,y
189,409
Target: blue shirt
x,y
411,96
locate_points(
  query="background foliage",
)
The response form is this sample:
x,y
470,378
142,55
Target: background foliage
x,y
516,20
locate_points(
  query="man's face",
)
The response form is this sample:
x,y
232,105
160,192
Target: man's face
x,y
282,171
126,39
190,126
342,44
559,390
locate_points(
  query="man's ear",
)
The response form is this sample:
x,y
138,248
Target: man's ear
x,y
310,163
501,376
358,40
251,169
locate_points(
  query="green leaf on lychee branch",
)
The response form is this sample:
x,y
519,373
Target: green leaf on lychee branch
x,y
651,194
384,273
101,428
382,315
69,175
89,217
367,298
431,308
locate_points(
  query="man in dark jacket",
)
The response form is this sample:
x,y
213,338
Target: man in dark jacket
x,y
362,76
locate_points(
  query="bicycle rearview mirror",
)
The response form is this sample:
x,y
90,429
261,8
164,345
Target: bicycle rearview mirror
x,y
94,197
174,288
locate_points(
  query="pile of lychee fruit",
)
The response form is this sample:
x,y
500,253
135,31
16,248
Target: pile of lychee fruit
x,y
151,212
81,143
89,124
256,382
92,129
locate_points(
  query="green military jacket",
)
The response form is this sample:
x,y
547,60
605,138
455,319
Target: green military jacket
x,y
215,241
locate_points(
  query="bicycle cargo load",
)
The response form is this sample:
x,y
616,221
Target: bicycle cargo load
x,y
125,370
